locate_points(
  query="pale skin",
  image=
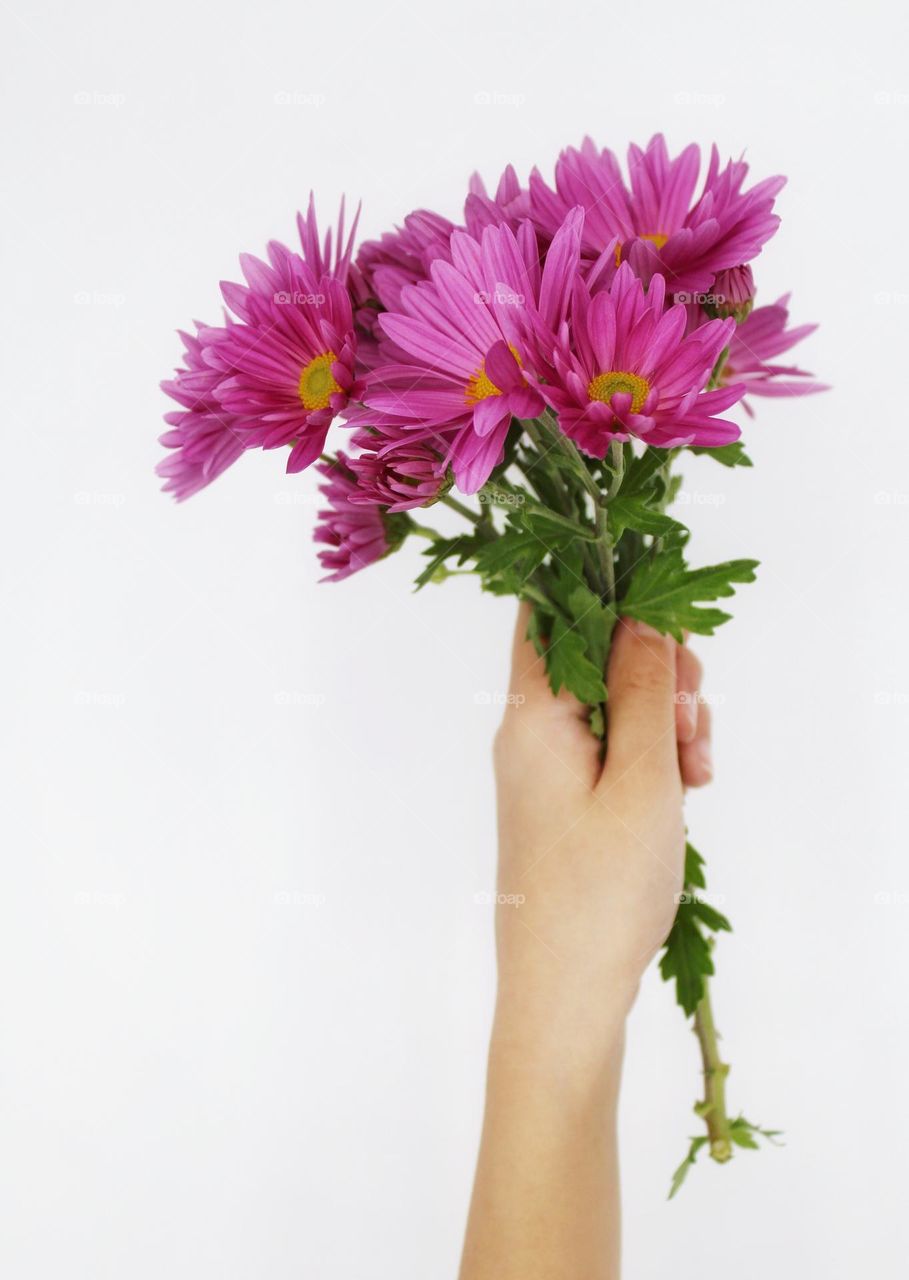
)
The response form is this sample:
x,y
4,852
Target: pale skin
x,y
593,854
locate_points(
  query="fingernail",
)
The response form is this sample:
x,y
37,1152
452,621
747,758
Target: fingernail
x,y
688,716
705,759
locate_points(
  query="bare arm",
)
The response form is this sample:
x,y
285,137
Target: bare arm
x,y
592,858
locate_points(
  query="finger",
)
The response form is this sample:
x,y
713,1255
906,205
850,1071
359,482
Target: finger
x,y
689,673
641,681
695,759
529,685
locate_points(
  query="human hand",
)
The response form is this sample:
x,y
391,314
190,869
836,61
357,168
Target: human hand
x,y
591,856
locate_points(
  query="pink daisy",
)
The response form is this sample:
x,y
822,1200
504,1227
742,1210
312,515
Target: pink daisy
x,y
629,370
756,342
354,535
469,338
657,227
290,365
206,438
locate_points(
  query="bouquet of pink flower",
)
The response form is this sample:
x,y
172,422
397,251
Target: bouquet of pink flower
x,y
554,356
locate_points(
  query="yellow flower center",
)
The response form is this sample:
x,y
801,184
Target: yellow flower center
x,y
317,385
656,238
481,386
605,385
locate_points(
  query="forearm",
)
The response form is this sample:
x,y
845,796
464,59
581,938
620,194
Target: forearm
x,y
546,1196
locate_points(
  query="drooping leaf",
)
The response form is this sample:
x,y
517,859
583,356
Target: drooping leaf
x,y
442,549
681,1172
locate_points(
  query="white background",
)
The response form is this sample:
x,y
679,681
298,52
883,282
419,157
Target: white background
x,y
246,985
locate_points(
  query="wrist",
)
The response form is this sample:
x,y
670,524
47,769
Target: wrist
x,y
557,1032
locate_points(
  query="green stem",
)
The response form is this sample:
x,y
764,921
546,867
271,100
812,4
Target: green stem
x,y
713,1107
423,531
461,508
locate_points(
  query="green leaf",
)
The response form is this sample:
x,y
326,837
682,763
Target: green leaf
x,y
644,471
443,549
568,665
512,548
728,455
681,1172
686,957
633,512
546,523
664,592
687,952
594,620
694,868
709,916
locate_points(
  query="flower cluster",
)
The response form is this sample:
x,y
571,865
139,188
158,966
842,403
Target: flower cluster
x,y
618,308
552,353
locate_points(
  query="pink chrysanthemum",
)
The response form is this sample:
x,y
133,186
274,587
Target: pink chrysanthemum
x,y
628,370
508,207
399,469
469,337
756,342
354,534
206,437
653,221
317,253
290,365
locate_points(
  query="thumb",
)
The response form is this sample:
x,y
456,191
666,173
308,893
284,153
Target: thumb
x,y
641,682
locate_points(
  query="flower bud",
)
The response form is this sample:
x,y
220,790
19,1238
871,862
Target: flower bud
x,y
733,294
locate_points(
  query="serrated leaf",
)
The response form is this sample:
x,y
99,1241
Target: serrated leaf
x,y
686,957
709,916
512,547
633,512
595,621
546,523
665,593
569,666
443,549
694,868
728,455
